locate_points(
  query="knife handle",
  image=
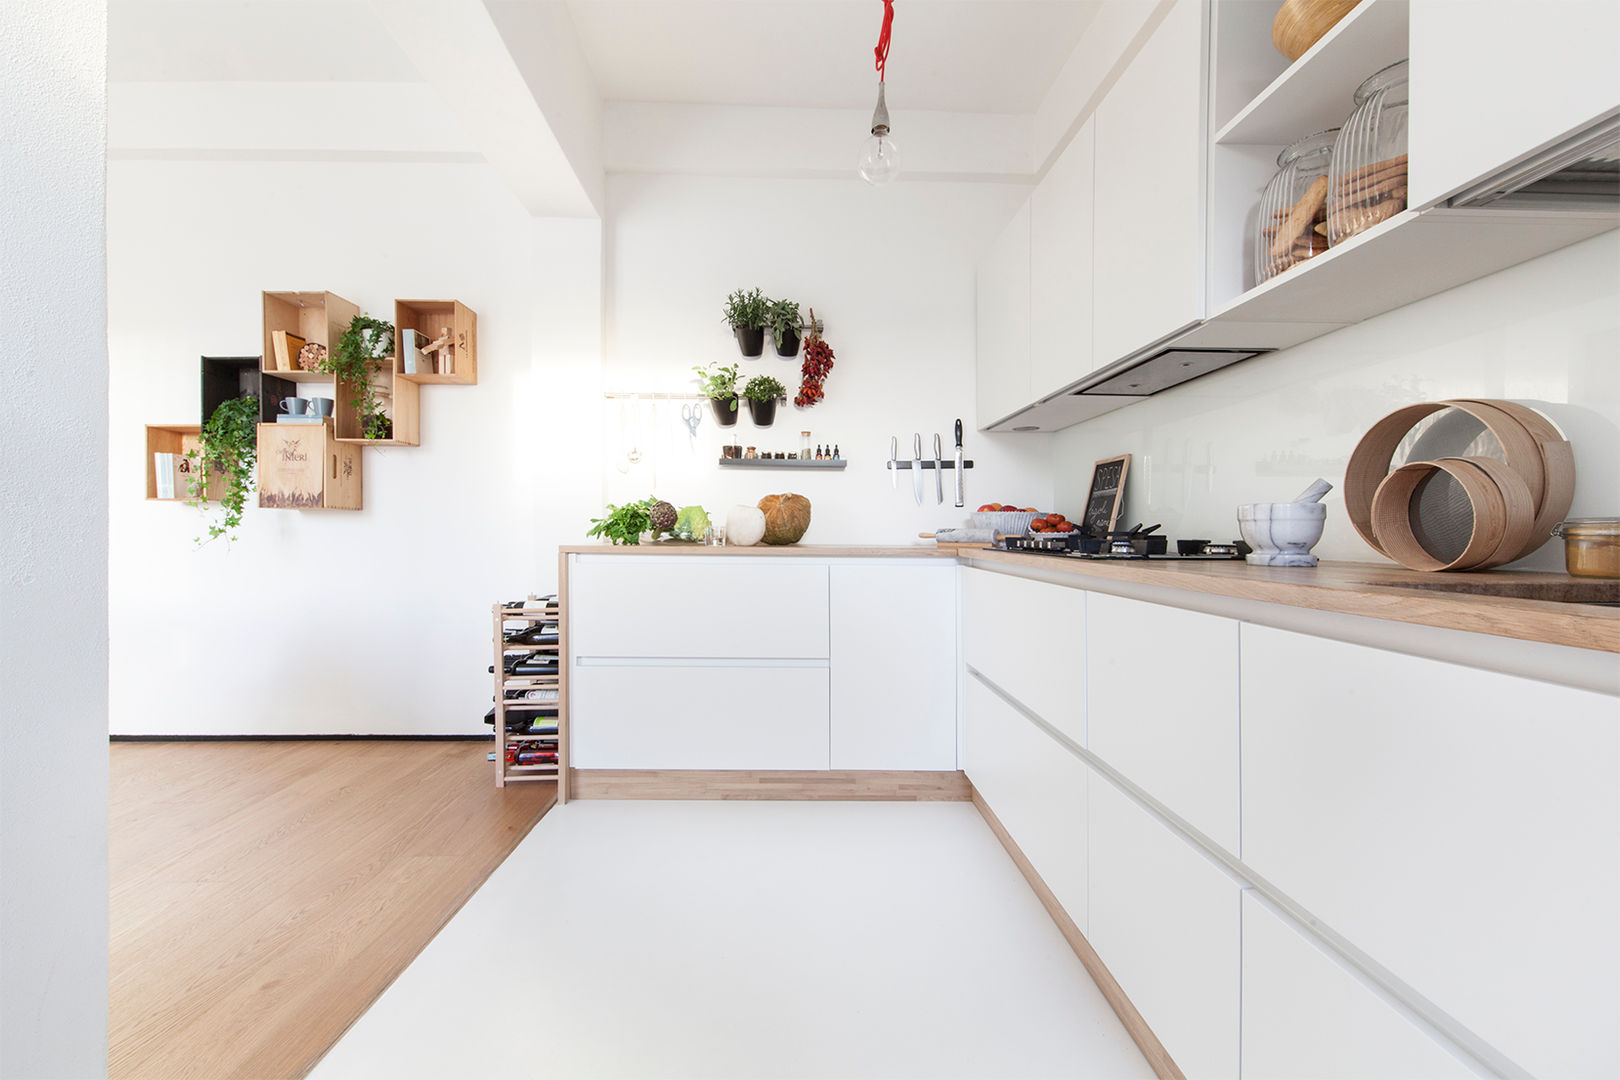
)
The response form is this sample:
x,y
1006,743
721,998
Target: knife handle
x,y
959,434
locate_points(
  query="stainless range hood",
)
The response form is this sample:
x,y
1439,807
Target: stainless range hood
x,y
1164,369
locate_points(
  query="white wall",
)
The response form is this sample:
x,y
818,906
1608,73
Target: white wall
x,y
890,270
338,622
53,545
1546,332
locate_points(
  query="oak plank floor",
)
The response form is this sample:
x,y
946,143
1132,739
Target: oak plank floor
x,y
265,893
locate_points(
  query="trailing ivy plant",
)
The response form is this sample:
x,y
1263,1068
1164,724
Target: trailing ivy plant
x,y
229,448
624,524
355,360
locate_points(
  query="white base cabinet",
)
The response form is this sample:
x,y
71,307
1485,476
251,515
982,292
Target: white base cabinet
x,y
1305,1014
687,717
1166,922
1162,707
1036,789
1460,826
1029,638
893,666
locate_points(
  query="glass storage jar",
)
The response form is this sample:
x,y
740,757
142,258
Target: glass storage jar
x,y
1292,221
1367,177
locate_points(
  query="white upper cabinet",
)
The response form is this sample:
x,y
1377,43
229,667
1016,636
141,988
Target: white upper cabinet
x,y
1003,323
1461,827
1148,260
1494,80
1060,268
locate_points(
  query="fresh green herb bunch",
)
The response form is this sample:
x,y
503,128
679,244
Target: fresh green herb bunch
x,y
782,316
229,448
763,388
719,384
746,309
356,360
624,524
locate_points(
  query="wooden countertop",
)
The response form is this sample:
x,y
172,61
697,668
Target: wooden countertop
x,y
1374,590
803,551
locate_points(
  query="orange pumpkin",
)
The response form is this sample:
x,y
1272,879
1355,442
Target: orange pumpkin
x,y
786,518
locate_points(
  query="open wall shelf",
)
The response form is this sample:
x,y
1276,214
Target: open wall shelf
x,y
318,317
431,319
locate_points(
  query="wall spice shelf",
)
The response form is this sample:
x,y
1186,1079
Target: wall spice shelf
x,y
784,463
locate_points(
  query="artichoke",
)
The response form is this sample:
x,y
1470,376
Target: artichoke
x,y
662,515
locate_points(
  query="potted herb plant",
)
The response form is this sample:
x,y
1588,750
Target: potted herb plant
x,y
721,388
782,317
745,314
228,451
355,361
762,393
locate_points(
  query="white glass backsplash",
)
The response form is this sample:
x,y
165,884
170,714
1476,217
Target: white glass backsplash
x,y
1546,333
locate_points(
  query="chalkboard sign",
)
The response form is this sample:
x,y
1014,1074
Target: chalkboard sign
x,y
1107,495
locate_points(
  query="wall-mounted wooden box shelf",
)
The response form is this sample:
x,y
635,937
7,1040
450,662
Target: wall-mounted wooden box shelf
x,y
227,377
177,439
431,318
304,467
319,317
401,400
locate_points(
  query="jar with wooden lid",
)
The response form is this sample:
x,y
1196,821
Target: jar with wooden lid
x,y
1591,546
1367,177
1292,222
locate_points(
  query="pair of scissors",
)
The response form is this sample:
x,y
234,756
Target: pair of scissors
x,y
693,415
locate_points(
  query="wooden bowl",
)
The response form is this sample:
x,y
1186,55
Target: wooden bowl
x,y
1397,532
1301,24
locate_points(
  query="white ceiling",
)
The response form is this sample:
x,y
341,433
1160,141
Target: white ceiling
x,y
988,56
997,56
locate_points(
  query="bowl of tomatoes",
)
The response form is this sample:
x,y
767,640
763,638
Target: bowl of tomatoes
x,y
1007,519
1053,524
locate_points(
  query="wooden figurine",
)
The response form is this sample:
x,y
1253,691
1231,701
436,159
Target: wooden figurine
x,y
444,352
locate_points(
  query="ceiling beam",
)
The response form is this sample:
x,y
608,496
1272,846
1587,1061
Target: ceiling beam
x,y
545,146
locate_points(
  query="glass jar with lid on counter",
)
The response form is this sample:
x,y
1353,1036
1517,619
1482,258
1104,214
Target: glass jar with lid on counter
x,y
1292,222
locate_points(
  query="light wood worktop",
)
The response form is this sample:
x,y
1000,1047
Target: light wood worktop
x,y
1374,590
1377,591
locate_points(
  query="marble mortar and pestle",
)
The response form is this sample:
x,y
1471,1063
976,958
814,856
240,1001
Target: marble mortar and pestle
x,y
1282,534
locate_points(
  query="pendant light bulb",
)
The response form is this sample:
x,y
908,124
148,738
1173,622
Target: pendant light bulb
x,y
880,157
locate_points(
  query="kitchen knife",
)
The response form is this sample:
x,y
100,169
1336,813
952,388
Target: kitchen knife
x,y
894,461
939,473
916,466
959,499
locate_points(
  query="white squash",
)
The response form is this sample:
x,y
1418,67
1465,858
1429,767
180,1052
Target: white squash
x,y
745,526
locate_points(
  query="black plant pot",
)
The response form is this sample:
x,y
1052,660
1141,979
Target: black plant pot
x,y
725,410
751,340
763,412
790,344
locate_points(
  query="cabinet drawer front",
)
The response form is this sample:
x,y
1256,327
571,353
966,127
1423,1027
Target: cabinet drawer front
x,y
1460,826
655,717
1035,787
1304,1014
1166,922
1162,706
699,606
893,666
1029,638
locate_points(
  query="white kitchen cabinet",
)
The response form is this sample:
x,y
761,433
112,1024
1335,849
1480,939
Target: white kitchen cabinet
x,y
1035,787
1148,256
697,606
721,716
1461,827
1166,922
1305,1014
1162,707
893,665
1029,638
1493,80
1003,371
1060,269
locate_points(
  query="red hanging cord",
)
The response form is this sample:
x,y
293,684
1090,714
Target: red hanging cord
x,y
882,50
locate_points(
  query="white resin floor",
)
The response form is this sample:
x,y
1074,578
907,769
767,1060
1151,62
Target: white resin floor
x,y
748,940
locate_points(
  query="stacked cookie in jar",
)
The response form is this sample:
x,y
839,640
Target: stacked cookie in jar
x,y
1333,184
